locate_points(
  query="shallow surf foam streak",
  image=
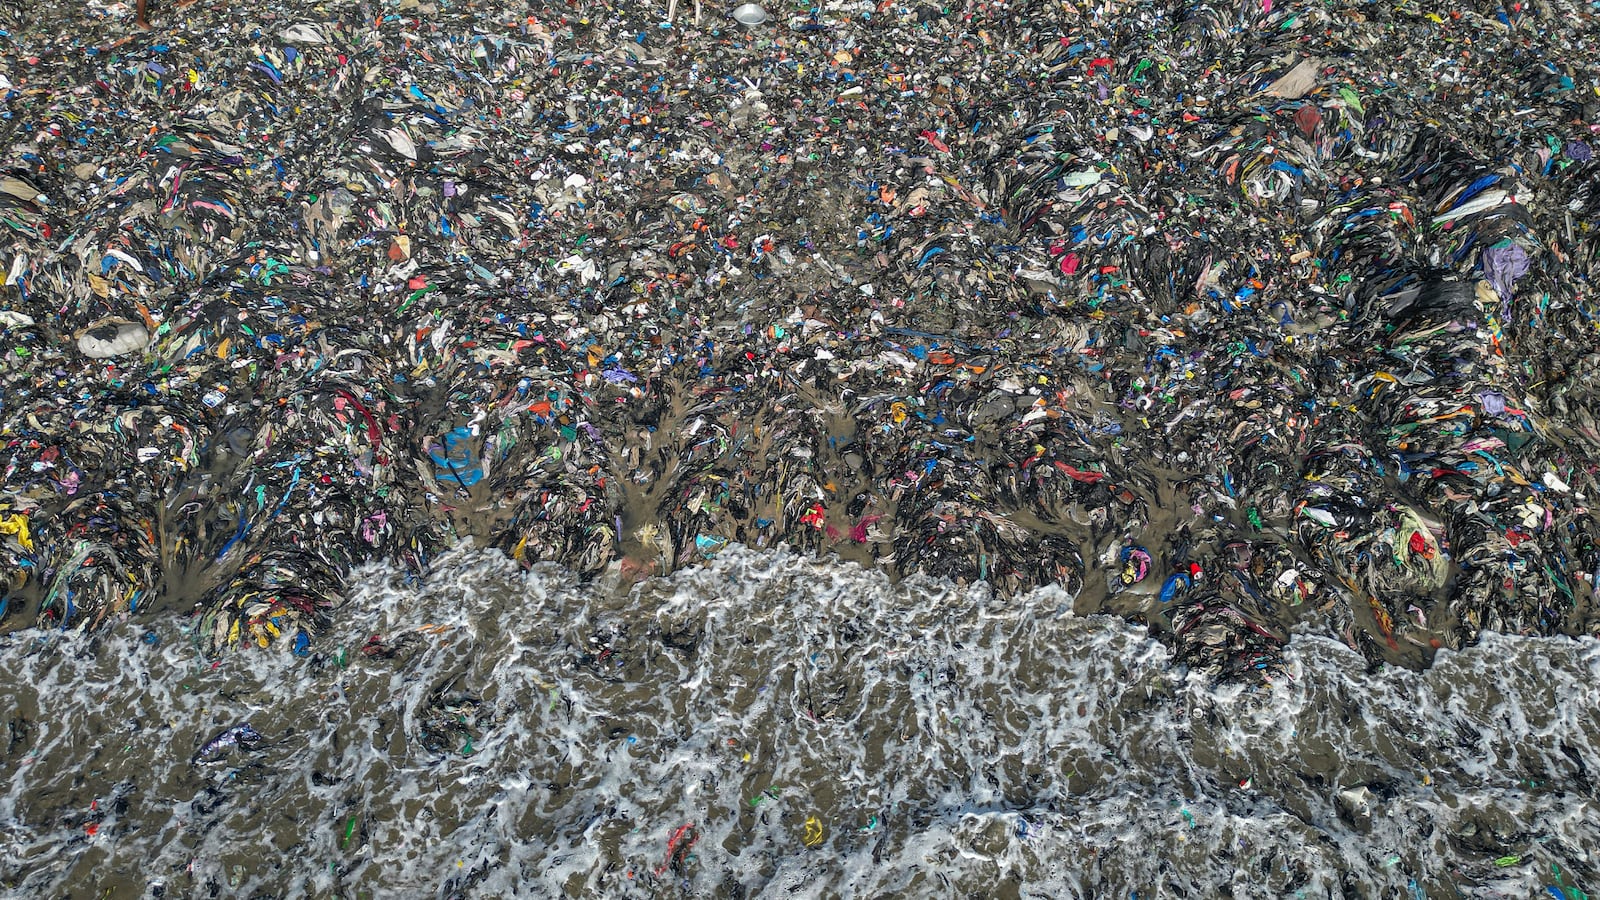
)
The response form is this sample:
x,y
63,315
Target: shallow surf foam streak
x,y
770,724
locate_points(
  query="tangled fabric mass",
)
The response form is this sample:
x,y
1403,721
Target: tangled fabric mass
x,y
1224,317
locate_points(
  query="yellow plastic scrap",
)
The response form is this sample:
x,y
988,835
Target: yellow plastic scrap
x,y
16,525
813,834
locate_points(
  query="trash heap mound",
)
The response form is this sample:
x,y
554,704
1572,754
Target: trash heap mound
x,y
1225,317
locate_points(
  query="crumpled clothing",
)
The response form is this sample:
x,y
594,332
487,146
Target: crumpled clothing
x,y
1503,266
17,526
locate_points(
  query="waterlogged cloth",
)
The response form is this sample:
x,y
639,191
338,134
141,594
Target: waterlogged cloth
x,y
771,724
